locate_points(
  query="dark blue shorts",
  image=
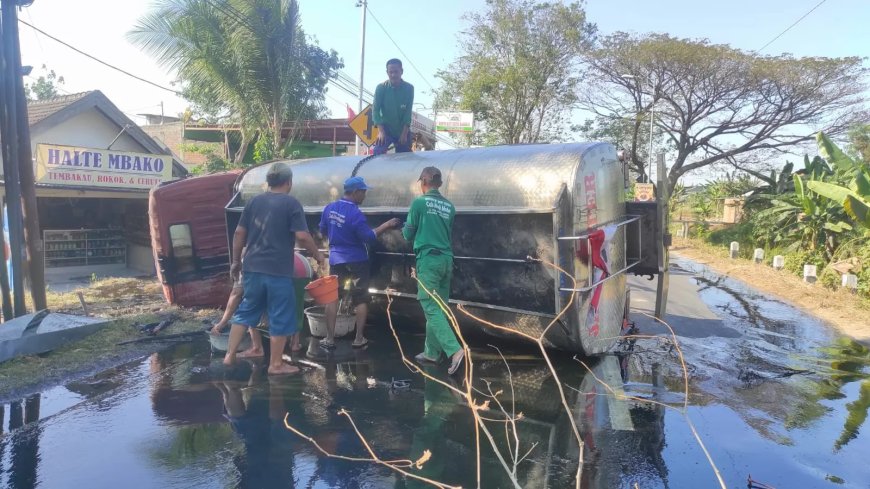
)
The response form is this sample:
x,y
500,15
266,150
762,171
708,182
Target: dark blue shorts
x,y
271,294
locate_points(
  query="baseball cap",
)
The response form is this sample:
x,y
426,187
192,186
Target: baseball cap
x,y
355,183
430,175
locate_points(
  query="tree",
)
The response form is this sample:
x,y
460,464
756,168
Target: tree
x,y
243,61
45,87
859,140
715,103
629,133
518,71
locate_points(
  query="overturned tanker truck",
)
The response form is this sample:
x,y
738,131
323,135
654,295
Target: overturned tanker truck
x,y
516,207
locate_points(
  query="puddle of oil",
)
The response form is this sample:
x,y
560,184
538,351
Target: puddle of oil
x,y
179,419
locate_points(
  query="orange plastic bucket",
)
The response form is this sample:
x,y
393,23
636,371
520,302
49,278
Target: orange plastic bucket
x,y
324,290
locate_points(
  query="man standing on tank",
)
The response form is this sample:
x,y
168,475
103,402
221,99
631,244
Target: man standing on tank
x,y
269,227
392,111
429,227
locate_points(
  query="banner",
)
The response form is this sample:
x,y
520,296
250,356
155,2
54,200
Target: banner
x,y
89,167
454,121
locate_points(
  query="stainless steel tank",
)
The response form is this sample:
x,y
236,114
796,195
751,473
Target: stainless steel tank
x,y
512,202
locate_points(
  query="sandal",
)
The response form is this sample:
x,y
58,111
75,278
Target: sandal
x,y
456,363
363,344
422,358
327,345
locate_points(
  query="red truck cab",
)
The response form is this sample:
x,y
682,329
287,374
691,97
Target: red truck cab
x,y
189,239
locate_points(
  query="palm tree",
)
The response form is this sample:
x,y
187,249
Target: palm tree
x,y
247,60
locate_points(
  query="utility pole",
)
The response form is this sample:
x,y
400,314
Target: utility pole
x,y
11,156
362,60
30,214
652,115
663,237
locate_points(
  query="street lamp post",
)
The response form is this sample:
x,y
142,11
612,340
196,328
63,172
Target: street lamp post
x,y
362,61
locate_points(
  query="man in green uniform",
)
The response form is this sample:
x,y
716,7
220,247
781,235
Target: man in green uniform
x,y
429,226
391,112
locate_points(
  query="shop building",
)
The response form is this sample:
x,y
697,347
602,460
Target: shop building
x,y
94,168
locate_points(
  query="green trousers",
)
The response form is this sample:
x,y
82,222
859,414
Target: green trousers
x,y
435,272
438,405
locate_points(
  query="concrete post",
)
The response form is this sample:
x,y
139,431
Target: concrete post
x,y
758,256
850,281
810,274
779,262
735,249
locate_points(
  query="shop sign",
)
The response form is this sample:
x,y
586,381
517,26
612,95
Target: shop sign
x,y
644,192
90,167
454,121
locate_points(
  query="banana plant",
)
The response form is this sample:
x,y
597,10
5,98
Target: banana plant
x,y
803,219
854,197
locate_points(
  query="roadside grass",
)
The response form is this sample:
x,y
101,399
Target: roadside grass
x,y
843,310
125,302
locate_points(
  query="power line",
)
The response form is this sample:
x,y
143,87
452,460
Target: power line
x,y
400,50
790,27
349,79
97,59
38,40
343,81
334,99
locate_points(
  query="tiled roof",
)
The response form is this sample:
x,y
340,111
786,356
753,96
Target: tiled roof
x,y
38,110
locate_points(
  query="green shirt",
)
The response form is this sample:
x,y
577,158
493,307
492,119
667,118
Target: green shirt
x,y
393,106
430,224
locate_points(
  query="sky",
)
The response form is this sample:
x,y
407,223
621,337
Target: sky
x,y
427,33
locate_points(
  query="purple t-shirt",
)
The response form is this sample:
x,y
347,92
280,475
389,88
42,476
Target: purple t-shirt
x,y
344,225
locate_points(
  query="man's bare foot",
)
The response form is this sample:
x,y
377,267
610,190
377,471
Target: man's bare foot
x,y
229,360
250,353
284,369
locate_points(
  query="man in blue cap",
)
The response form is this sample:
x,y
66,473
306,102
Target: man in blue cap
x,y
344,225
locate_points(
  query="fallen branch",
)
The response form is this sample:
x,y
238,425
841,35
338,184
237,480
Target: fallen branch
x,y
82,302
466,394
395,465
175,336
540,342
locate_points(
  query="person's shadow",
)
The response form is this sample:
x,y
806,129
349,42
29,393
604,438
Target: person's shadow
x,y
255,410
438,404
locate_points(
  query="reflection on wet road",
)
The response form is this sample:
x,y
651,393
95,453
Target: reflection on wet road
x,y
783,401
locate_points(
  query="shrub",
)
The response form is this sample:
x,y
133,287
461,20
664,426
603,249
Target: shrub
x,y
742,232
795,261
